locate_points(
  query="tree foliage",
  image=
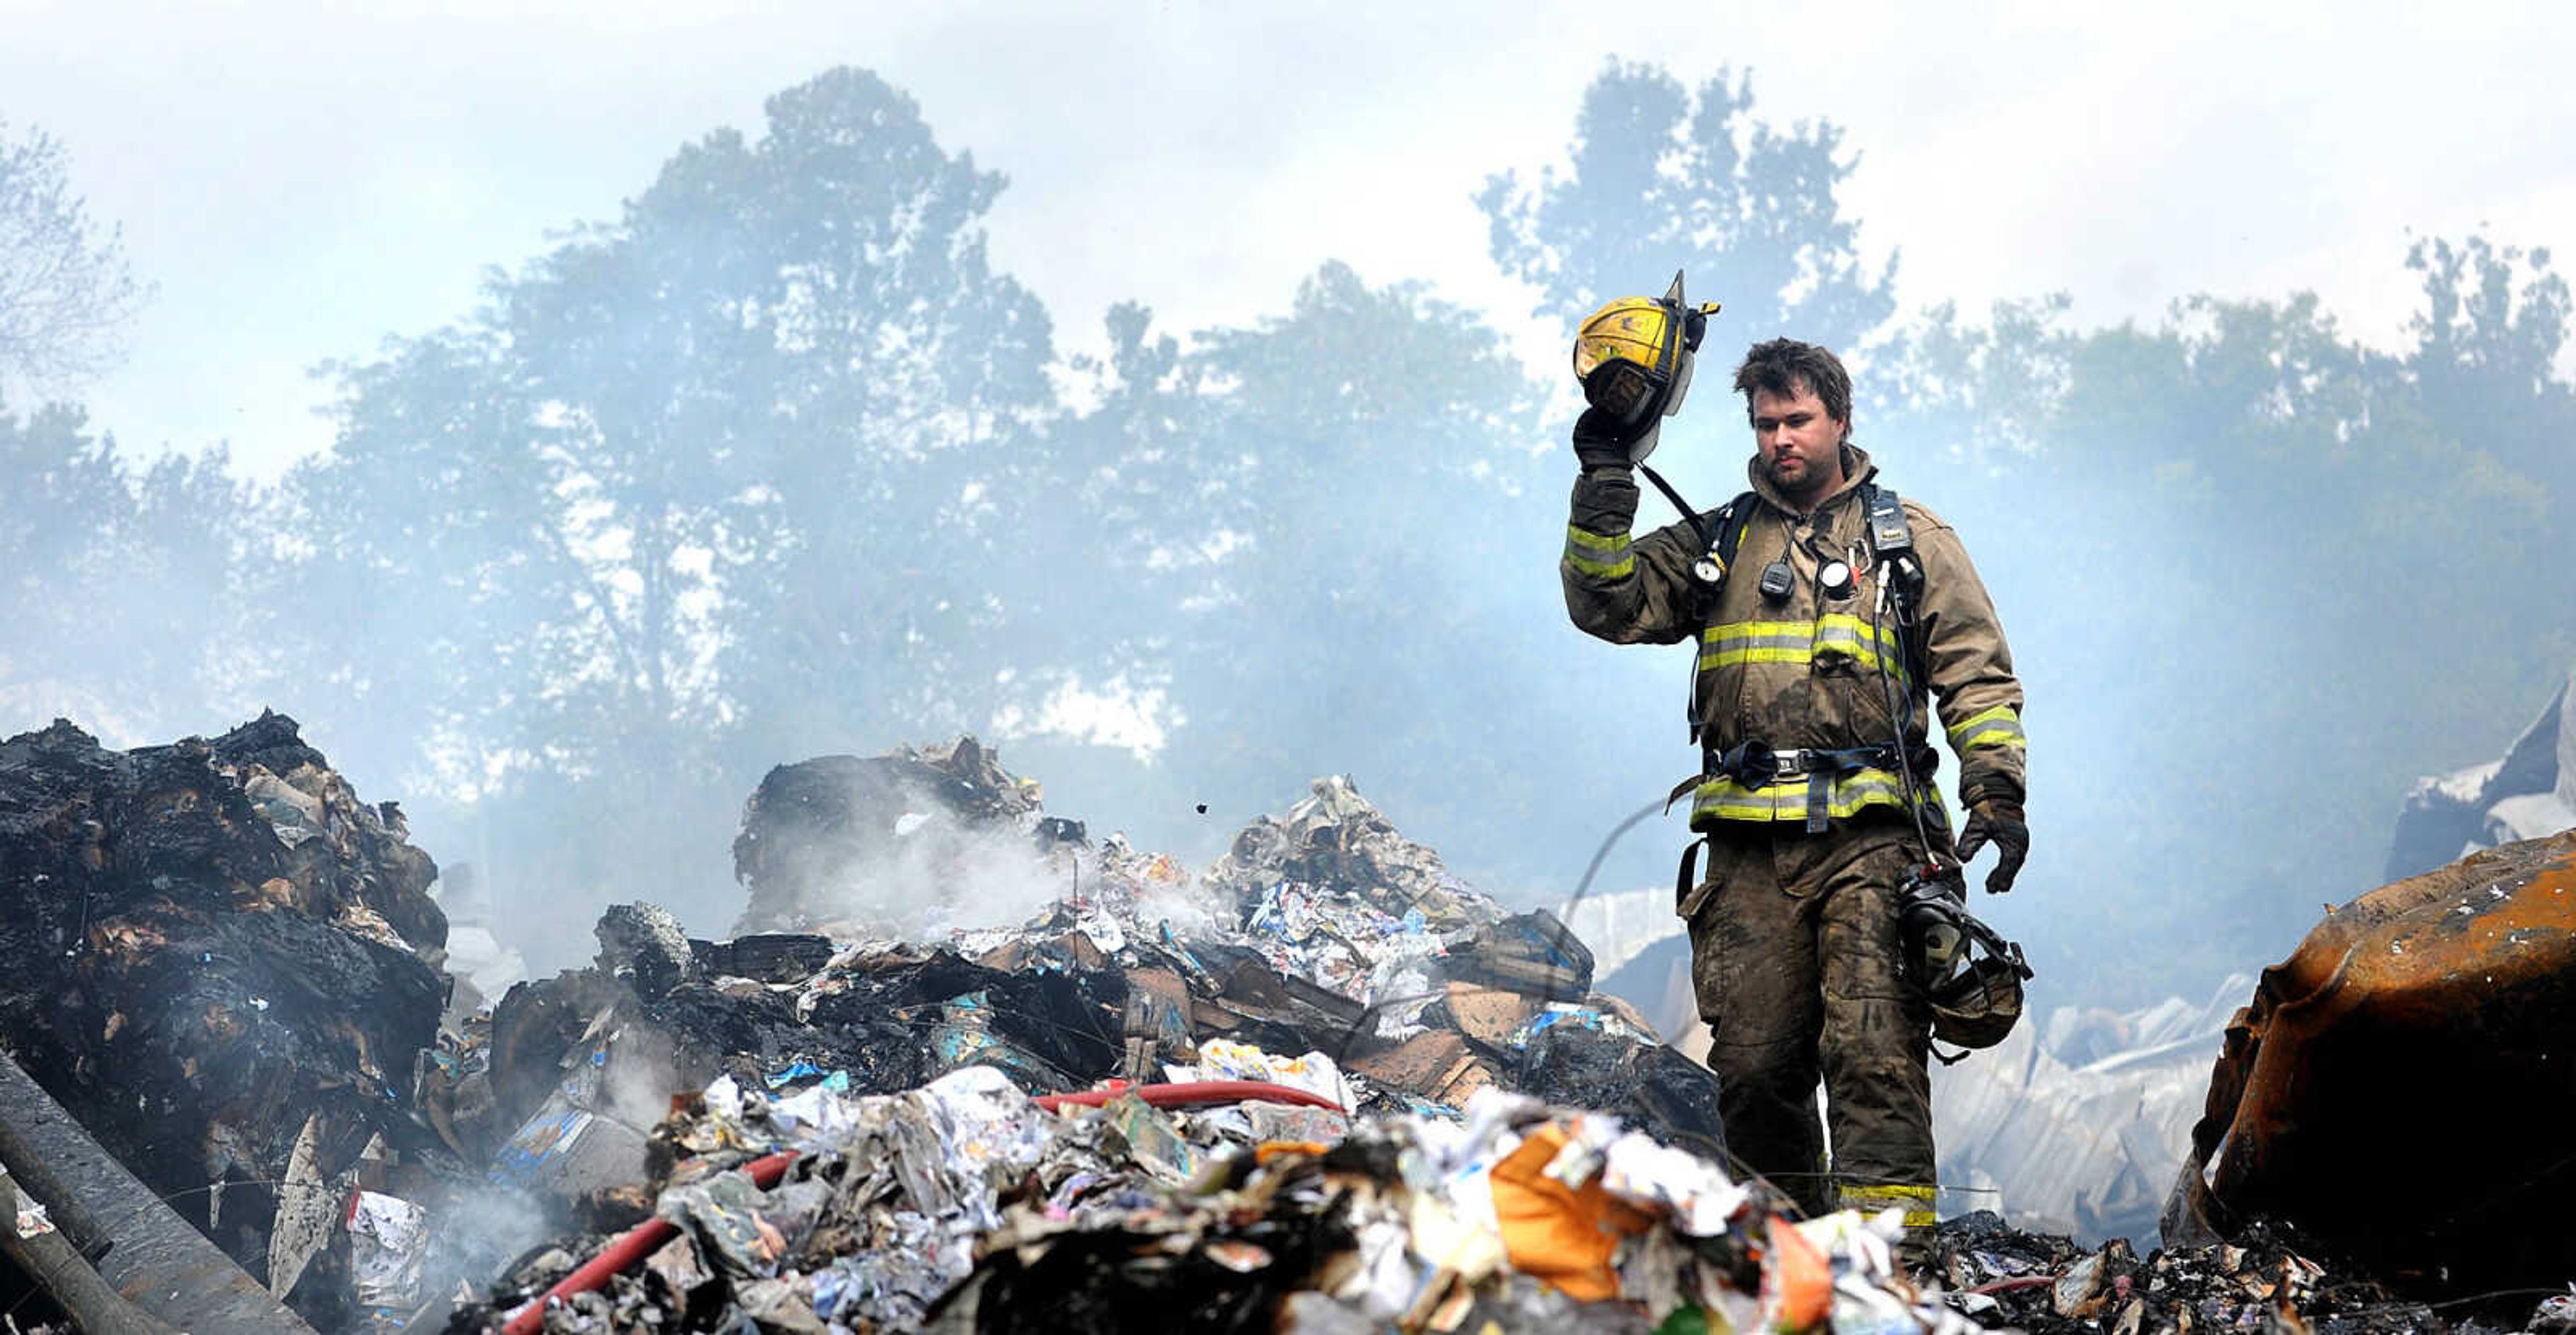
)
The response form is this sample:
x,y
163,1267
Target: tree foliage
x,y
701,480
66,293
1664,177
127,595
1362,473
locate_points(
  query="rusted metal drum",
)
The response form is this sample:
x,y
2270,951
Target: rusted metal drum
x,y
2403,1086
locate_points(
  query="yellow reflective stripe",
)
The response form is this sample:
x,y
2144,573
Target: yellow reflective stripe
x,y
1597,556
1723,798
1998,726
1844,627
1915,1201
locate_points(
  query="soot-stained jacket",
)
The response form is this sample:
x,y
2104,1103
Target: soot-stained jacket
x,y
1803,673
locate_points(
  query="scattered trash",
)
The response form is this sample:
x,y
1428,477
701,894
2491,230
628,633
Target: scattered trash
x,y
2047,1285
1225,1059
964,1206
389,1242
1325,957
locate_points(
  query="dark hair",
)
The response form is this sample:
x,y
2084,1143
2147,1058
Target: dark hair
x,y
1784,366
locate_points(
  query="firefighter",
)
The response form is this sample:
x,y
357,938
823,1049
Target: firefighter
x,y
1819,634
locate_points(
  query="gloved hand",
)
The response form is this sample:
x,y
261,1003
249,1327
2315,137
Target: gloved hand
x,y
1997,820
1602,441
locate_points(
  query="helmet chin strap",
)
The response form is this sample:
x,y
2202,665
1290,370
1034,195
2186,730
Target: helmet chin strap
x,y
1689,515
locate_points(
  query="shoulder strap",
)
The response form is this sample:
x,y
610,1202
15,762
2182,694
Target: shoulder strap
x,y
1732,518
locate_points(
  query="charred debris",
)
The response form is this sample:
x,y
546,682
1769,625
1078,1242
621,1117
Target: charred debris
x,y
1319,1086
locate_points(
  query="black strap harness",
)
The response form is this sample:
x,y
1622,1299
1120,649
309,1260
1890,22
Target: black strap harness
x,y
1756,763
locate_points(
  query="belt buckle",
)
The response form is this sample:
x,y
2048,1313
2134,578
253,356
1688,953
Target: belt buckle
x,y
1789,764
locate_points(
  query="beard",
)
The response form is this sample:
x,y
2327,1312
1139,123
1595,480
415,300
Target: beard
x,y
1813,474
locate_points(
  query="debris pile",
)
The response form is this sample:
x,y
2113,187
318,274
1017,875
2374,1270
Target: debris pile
x,y
1420,1031
1323,1086
225,967
1324,937
2047,1285
882,842
968,1206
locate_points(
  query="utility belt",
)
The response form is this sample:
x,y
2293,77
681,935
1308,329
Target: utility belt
x,y
1755,766
1758,765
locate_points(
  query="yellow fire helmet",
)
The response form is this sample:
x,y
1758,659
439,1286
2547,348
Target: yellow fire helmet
x,y
1633,358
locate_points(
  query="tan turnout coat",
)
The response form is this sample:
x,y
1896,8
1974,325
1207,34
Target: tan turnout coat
x,y
1805,672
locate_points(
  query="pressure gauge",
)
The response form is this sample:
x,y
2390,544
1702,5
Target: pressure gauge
x,y
1835,579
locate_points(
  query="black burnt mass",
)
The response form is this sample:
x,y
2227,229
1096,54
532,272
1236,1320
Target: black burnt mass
x,y
207,945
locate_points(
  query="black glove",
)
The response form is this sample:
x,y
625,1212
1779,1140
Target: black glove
x,y
1997,820
1602,441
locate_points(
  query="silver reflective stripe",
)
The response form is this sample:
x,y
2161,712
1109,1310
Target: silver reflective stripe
x,y
1597,556
1619,569
1851,638
1799,640
1994,727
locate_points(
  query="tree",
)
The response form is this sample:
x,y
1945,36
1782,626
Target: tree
x,y
62,499
430,555
124,593
65,291
1328,508
875,593
1112,538
1664,178
702,489
2486,351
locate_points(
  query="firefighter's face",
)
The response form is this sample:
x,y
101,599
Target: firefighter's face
x,y
1800,443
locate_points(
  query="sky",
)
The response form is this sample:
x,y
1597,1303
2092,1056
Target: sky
x,y
301,181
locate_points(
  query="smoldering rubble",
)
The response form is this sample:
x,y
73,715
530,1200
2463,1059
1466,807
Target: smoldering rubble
x,y
1320,1085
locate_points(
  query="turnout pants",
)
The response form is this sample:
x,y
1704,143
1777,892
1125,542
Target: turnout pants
x,y
1796,958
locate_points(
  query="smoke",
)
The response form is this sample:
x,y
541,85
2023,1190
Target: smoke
x,y
930,871
476,1232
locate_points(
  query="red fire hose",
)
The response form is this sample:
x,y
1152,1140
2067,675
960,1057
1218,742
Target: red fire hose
x,y
1191,1094
647,1237
640,1241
